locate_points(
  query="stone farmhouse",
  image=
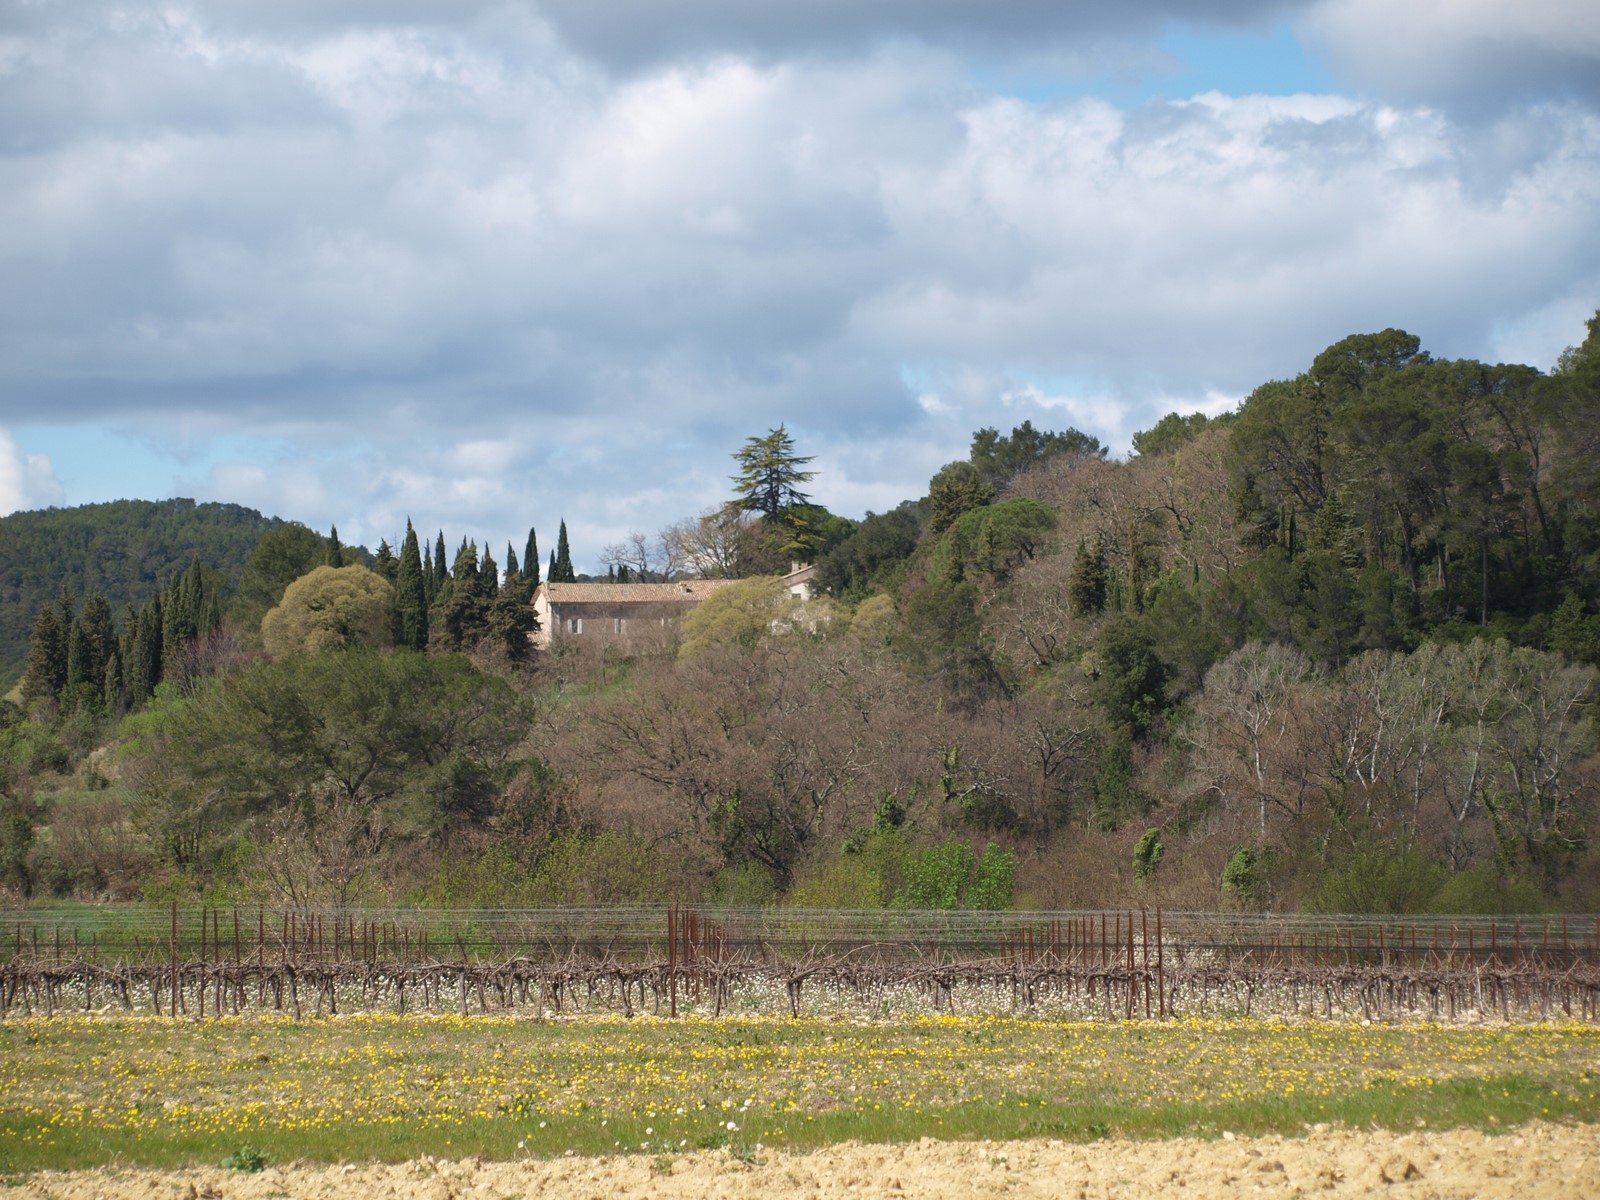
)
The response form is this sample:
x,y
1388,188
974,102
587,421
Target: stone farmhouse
x,y
631,610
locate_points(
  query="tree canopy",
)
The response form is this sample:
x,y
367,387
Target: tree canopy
x,y
331,608
770,472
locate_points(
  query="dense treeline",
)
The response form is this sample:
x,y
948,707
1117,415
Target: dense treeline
x,y
127,551
1336,650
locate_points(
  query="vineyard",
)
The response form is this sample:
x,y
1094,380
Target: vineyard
x,y
1112,965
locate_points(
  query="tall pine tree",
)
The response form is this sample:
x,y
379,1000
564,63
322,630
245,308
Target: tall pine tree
x,y
384,562
513,571
99,635
46,672
530,558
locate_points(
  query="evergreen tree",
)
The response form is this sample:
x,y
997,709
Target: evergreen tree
x,y
77,657
956,490
513,571
463,617
333,550
99,636
550,571
141,666
465,569
410,596
78,689
46,672
489,576
1087,590
530,558
510,623
441,573
112,691
770,473
384,562
561,571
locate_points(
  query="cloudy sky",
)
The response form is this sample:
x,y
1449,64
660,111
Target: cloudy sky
x,y
494,264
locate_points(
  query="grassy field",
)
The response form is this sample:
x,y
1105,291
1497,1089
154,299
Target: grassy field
x,y
84,1091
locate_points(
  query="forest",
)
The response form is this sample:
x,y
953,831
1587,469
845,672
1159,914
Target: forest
x,y
1335,651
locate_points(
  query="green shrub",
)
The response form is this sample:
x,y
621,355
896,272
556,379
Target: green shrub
x,y
1379,881
1244,878
952,876
1147,854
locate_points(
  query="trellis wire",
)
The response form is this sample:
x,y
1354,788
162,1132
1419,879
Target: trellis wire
x,y
1113,963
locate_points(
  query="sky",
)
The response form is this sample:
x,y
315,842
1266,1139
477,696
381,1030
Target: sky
x,y
490,265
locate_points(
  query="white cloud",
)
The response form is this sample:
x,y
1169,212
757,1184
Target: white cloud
x,y
505,287
27,481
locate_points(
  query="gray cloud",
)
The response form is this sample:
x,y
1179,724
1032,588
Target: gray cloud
x,y
627,34
1473,56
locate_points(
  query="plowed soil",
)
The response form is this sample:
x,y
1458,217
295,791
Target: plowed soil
x,y
1529,1163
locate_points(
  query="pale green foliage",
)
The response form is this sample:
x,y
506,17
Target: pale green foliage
x,y
867,876
740,614
875,620
331,608
953,876
1399,881
574,868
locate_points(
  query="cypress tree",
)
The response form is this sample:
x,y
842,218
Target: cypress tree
x,y
410,596
513,571
46,673
112,695
143,670
77,657
562,572
489,575
99,636
465,569
1087,590
550,571
332,550
440,571
530,558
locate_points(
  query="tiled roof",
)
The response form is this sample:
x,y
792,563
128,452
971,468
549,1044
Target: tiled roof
x,y
613,593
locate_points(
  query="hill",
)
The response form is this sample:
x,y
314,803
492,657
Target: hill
x,y
127,549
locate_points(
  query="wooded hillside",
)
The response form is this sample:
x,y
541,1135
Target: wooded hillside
x,y
127,550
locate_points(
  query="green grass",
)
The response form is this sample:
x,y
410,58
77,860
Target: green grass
x,y
89,1091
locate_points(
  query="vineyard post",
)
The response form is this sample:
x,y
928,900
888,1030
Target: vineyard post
x,y
1144,937
672,959
1133,986
1161,975
174,959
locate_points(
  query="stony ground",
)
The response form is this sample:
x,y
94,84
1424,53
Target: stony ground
x,y
1536,1161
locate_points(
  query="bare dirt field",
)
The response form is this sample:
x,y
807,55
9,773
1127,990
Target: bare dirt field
x,y
1530,1163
